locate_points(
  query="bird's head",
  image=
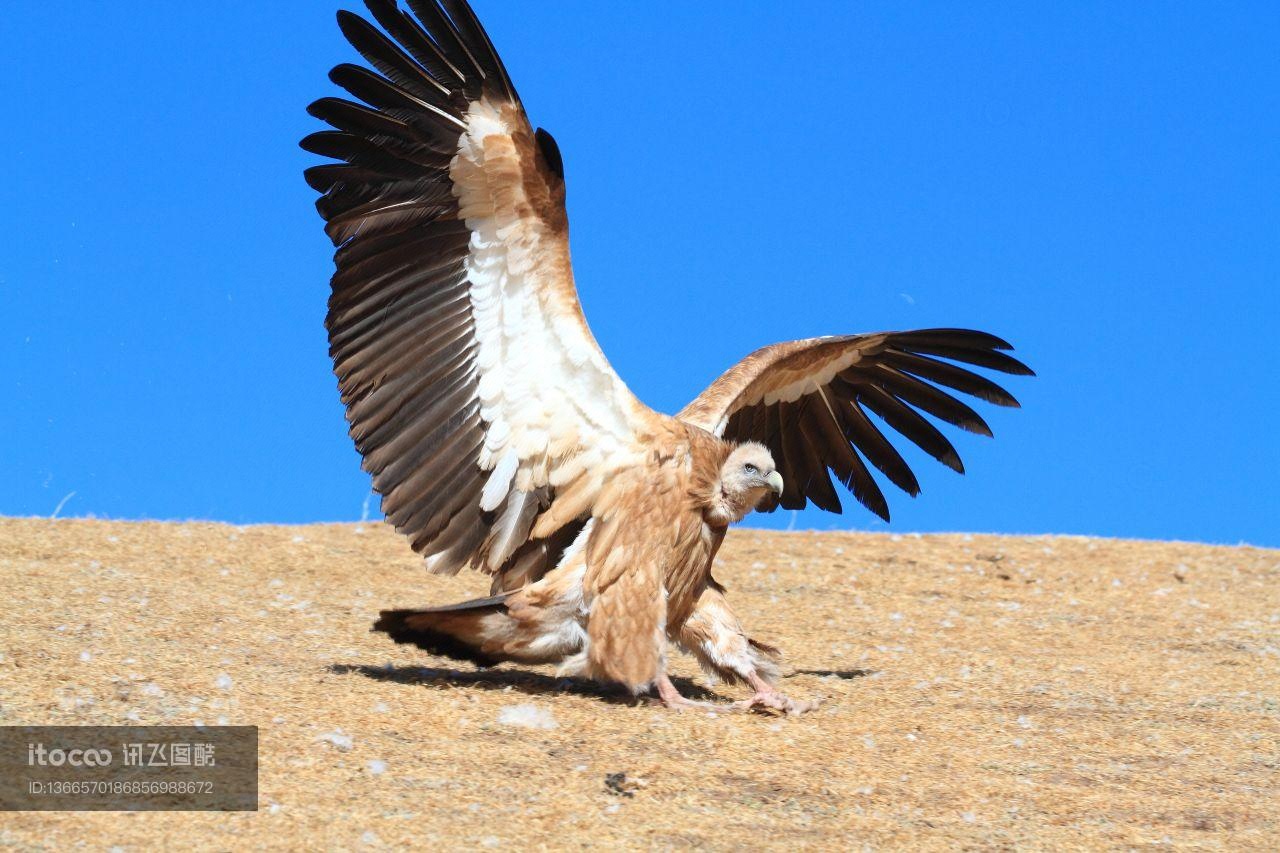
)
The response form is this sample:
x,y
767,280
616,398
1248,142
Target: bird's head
x,y
747,477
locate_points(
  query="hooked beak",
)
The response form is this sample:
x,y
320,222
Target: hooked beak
x,y
775,482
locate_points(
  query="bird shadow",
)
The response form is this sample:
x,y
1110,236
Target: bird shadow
x,y
524,681
830,673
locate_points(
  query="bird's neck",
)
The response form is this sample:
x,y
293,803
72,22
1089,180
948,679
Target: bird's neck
x,y
728,508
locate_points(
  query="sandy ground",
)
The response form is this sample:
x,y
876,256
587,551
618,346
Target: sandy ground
x,y
993,692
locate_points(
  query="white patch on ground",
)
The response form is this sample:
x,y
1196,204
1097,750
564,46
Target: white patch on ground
x,y
337,739
527,716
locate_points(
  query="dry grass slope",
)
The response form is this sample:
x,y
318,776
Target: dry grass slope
x,y
984,691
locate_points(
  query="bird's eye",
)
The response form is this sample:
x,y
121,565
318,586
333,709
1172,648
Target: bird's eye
x,y
751,469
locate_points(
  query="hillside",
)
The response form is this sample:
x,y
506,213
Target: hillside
x,y
979,691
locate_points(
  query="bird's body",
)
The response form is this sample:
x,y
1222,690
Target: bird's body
x,y
497,432
650,543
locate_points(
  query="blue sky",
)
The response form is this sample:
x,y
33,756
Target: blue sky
x,y
1098,183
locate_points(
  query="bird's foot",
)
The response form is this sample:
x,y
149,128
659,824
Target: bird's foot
x,y
767,697
672,699
776,700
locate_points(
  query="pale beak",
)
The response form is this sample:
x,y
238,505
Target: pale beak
x,y
775,482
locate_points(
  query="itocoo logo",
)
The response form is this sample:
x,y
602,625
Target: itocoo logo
x,y
38,754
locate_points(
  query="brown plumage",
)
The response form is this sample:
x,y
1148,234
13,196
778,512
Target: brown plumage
x,y
494,428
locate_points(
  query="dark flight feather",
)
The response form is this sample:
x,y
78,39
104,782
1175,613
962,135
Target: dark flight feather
x,y
893,375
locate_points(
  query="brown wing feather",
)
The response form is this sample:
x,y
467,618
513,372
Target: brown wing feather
x,y
648,557
622,586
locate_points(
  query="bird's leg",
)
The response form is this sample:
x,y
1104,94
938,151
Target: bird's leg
x,y
672,699
713,634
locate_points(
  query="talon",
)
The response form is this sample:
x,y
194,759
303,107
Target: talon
x,y
768,696
776,701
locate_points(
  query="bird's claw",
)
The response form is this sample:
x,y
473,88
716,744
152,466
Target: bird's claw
x,y
775,700
766,697
683,704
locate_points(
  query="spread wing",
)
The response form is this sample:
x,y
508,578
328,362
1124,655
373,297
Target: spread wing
x,y
476,394
808,401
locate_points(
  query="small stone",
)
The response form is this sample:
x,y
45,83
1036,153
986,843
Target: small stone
x,y
336,739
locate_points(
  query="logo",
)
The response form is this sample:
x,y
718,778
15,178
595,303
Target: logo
x,y
39,756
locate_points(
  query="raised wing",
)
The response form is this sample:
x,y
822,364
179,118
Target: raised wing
x,y
475,392
808,402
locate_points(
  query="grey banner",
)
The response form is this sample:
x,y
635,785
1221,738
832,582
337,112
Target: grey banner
x,y
128,768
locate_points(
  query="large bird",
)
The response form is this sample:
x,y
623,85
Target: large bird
x,y
496,432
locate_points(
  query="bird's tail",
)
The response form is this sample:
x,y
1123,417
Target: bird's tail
x,y
483,631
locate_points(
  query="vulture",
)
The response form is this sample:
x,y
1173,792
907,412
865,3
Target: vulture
x,y
497,434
